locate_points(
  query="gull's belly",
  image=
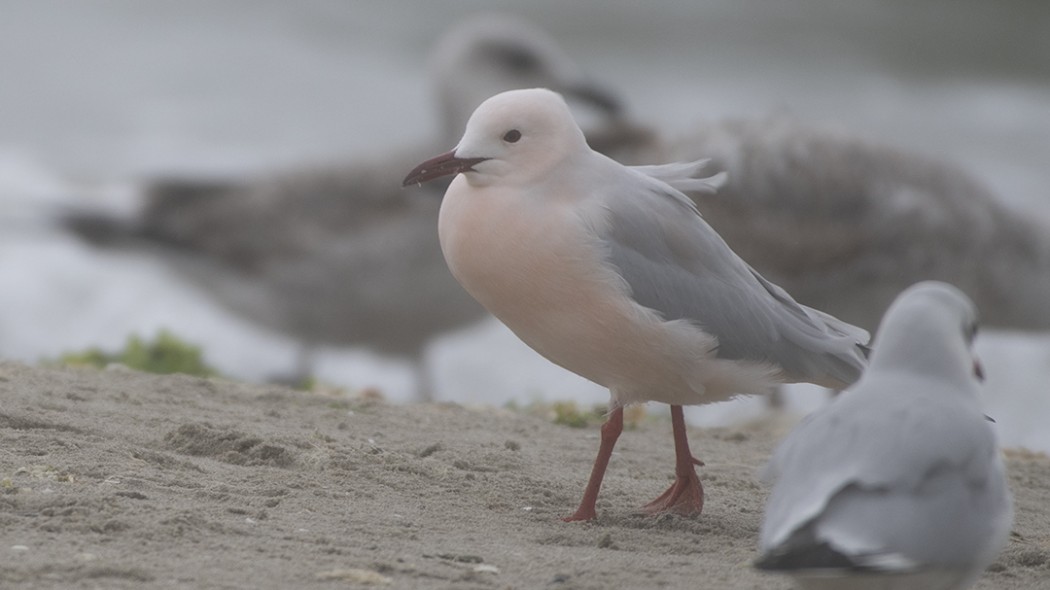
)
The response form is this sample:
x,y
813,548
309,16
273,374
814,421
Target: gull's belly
x,y
543,276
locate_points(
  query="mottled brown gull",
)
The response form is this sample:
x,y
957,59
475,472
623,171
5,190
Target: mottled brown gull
x,y
339,254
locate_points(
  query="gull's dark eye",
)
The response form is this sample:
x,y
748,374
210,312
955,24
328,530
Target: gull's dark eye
x,y
512,136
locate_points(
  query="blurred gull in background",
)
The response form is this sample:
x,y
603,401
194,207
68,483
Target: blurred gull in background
x,y
899,482
340,254
845,224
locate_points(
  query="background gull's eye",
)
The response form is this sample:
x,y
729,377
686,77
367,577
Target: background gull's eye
x,y
512,136
513,57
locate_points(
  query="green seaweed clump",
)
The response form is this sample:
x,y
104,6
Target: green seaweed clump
x,y
165,354
569,414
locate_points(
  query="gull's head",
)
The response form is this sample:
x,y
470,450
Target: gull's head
x,y
515,137
491,53
930,328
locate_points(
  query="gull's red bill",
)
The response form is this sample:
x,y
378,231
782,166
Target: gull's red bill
x,y
438,166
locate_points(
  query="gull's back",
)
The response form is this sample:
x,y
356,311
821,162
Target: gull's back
x,y
677,265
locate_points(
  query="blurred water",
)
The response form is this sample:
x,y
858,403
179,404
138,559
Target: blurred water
x,y
98,93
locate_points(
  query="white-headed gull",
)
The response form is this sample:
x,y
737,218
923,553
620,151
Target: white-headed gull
x,y
610,272
898,483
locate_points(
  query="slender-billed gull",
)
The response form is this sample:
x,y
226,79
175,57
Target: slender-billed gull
x,y
845,224
337,254
611,273
898,483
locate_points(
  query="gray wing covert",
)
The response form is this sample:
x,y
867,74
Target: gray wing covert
x,y
677,265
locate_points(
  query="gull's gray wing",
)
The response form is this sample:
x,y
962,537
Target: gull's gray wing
x,y
677,265
881,488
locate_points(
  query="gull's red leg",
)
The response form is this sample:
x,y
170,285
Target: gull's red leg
x,y
686,495
610,432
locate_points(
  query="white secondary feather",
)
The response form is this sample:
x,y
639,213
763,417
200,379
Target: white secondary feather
x,y
685,176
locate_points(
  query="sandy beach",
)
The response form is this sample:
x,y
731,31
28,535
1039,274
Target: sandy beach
x,y
119,479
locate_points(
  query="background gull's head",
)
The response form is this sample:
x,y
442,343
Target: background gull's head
x,y
491,53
